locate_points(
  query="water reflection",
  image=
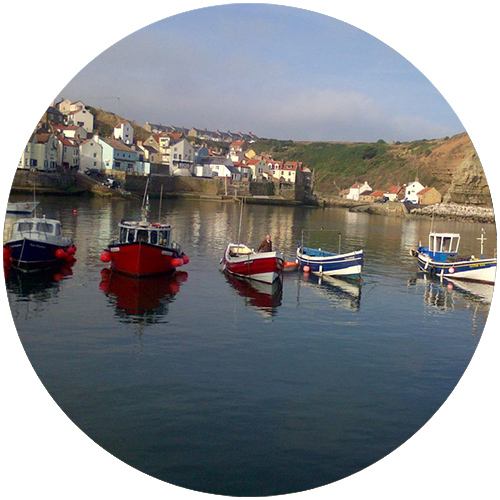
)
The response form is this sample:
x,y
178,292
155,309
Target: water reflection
x,y
339,292
34,289
141,300
456,295
265,297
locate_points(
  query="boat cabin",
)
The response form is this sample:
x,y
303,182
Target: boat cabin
x,y
443,244
36,228
238,250
154,234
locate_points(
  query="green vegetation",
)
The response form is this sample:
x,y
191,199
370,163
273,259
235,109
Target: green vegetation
x,y
338,165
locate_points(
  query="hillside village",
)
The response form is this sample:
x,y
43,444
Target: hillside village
x,y
75,137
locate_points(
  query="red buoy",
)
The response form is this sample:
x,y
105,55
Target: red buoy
x,y
306,269
71,250
185,259
176,262
105,256
60,253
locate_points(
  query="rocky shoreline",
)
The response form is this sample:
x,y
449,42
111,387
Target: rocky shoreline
x,y
454,211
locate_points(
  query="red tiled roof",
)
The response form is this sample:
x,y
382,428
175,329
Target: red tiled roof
x,y
394,189
377,193
423,191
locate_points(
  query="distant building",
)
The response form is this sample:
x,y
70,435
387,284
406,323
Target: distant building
x,y
68,152
181,155
91,154
412,190
124,132
40,153
70,131
429,196
81,117
117,156
357,189
394,193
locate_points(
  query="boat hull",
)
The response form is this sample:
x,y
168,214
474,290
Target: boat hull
x,y
265,267
143,259
348,264
479,270
33,254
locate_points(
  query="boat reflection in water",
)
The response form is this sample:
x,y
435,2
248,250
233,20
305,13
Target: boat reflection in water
x,y
141,300
457,295
265,297
340,292
35,288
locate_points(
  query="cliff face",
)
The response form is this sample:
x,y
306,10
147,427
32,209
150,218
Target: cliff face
x,y
468,184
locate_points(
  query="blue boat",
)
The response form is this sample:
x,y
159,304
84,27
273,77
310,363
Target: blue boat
x,y
441,259
36,243
321,262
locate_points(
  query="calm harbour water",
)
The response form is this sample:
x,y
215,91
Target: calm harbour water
x,y
219,386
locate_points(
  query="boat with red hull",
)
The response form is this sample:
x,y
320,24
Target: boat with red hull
x,y
242,261
144,249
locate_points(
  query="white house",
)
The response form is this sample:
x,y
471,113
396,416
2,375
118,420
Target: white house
x,y
356,190
117,156
124,132
284,171
68,152
81,117
259,168
40,153
411,191
71,131
220,167
91,154
236,153
181,155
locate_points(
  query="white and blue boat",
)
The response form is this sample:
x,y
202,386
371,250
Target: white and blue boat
x,y
441,259
322,262
37,242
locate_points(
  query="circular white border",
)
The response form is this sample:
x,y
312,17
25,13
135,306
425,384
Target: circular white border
x,y
44,44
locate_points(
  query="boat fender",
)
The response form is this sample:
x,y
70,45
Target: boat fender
x,y
177,262
6,254
451,270
105,256
60,253
71,250
306,269
185,259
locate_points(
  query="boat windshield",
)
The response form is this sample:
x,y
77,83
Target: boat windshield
x,y
444,243
44,227
150,235
24,226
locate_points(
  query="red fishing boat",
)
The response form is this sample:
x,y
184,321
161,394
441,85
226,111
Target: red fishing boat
x,y
242,261
144,249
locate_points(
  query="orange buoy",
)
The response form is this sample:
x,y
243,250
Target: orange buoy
x,y
306,269
290,265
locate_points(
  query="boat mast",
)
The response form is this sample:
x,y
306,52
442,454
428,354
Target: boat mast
x,y
241,217
482,239
161,198
145,202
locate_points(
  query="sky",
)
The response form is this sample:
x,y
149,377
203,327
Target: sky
x,y
279,72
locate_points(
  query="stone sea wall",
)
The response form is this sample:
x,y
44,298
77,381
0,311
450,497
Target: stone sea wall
x,y
456,211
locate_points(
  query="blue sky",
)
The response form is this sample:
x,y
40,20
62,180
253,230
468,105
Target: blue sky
x,y
277,71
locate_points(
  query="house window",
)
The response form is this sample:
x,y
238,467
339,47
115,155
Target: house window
x,y
95,155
